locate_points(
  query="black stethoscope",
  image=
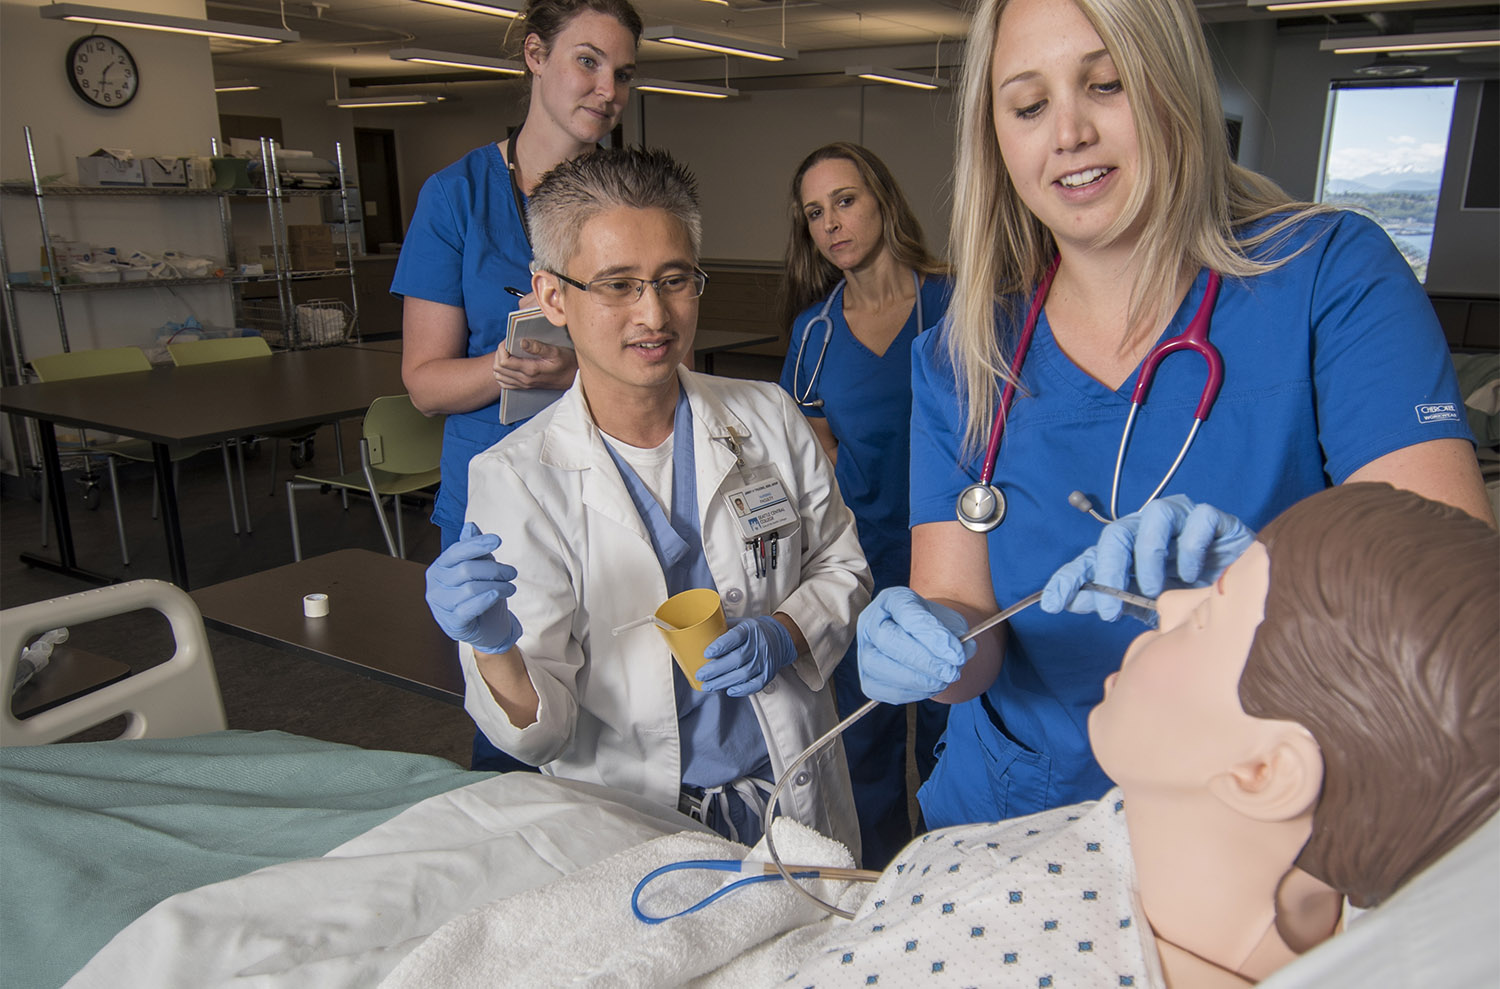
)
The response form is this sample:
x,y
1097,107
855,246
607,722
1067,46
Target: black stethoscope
x,y
981,506
804,395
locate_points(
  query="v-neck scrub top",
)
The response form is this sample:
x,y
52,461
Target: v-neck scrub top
x,y
867,402
466,243
1331,361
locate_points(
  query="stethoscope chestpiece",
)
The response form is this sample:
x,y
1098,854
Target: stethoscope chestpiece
x,y
981,507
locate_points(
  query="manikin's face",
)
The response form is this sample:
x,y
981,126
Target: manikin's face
x,y
1171,717
1064,126
582,84
842,214
635,346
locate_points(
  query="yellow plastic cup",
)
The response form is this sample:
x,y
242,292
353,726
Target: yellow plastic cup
x,y
697,618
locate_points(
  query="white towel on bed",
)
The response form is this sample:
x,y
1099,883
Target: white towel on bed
x,y
346,919
580,931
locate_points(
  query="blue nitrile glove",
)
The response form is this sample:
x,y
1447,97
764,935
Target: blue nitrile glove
x,y
1170,544
908,647
746,657
466,592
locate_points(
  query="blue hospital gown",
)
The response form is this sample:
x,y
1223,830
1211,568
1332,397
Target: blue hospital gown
x,y
1034,902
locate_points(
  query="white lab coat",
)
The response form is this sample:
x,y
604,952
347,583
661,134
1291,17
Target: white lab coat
x,y
608,714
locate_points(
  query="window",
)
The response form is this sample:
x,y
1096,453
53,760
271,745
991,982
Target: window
x,y
1383,155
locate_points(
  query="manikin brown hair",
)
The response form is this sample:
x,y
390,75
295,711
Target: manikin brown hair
x,y
1381,636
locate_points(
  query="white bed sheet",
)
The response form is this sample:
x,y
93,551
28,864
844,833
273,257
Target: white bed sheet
x,y
348,918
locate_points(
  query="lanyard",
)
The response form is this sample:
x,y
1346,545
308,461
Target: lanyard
x,y
515,182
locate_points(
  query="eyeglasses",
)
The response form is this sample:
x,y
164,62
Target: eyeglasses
x,y
620,290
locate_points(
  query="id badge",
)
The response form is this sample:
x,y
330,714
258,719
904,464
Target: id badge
x,y
761,506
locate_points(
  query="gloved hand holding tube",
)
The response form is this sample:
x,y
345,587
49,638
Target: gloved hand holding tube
x,y
747,656
909,647
466,592
1170,544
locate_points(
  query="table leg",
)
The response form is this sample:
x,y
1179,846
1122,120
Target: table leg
x,y
67,561
176,556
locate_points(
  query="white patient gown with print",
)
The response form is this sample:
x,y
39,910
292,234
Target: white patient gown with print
x,y
1047,900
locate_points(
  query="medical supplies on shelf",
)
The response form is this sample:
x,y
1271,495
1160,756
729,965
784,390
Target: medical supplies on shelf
x,y
316,323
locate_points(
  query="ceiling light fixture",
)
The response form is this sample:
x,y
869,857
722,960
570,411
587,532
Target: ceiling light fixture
x,y
673,88
165,22
477,7
688,37
234,86
370,102
1452,40
428,56
896,77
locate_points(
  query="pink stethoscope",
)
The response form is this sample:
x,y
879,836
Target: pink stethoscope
x,y
981,506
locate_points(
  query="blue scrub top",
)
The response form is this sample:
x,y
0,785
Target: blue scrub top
x,y
466,243
867,402
1331,361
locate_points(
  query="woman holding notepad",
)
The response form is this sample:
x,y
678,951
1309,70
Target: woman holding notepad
x,y
468,245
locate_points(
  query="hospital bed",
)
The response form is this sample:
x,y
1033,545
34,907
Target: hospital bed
x,y
188,855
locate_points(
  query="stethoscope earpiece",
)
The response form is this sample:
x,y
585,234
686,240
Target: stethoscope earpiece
x,y
1081,501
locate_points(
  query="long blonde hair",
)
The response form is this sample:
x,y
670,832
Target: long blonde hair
x,y
1190,196
809,276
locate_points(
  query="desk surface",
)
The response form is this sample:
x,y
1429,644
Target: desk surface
x,y
377,625
203,403
69,673
391,346
718,341
706,342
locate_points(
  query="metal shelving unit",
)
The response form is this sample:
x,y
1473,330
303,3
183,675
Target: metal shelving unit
x,y
287,325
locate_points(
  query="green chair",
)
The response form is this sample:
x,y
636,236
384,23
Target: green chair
x,y
212,351
116,360
399,452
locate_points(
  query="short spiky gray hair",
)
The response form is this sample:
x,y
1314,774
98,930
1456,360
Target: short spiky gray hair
x,y
576,191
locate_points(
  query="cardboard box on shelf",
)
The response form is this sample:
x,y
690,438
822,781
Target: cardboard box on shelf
x,y
166,172
308,233
313,257
110,166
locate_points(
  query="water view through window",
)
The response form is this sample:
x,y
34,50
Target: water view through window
x,y
1384,157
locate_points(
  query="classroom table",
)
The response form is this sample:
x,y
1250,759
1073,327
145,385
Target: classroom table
x,y
69,673
193,405
706,344
377,624
391,346
710,342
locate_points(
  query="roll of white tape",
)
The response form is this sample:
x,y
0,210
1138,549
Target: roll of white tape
x,y
315,605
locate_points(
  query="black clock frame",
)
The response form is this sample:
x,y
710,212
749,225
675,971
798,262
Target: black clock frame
x,y
73,76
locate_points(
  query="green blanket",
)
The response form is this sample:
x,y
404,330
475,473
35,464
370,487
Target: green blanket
x,y
94,834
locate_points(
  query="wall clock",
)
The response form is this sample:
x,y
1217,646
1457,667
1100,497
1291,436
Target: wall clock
x,y
103,72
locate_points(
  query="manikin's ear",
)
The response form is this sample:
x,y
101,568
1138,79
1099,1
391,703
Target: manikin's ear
x,y
549,296
1280,781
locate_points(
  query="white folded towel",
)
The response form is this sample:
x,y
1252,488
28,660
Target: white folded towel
x,y
580,931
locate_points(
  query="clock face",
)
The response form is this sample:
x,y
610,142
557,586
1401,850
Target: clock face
x,y
103,72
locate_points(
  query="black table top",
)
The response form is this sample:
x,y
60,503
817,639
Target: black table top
x,y
377,625
705,342
203,403
718,341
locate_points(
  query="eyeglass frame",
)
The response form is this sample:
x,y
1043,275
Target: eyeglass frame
x,y
700,278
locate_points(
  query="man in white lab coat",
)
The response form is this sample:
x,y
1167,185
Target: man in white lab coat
x,y
624,492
